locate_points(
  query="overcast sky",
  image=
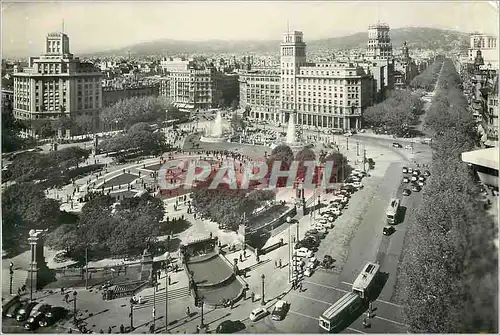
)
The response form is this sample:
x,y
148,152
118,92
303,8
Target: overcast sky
x,y
95,26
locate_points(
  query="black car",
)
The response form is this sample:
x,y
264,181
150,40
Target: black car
x,y
229,326
427,173
33,321
406,192
24,312
13,309
416,188
388,230
315,232
327,262
53,315
396,145
310,243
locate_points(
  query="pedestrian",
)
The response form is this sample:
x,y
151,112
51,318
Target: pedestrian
x,y
18,291
275,264
101,331
109,330
122,328
188,311
169,280
366,323
252,295
300,287
245,253
231,303
244,294
70,331
279,263
197,329
370,307
66,297
152,328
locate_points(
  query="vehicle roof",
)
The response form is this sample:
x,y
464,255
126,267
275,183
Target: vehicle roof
x,y
280,303
258,310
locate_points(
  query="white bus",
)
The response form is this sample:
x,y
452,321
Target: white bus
x,y
392,211
365,280
345,308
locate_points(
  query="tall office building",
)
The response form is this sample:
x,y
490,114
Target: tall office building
x,y
379,44
488,45
57,84
293,56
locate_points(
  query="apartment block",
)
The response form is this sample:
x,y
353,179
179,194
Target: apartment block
x,y
56,84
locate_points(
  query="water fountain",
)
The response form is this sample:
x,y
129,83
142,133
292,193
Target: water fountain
x,y
216,134
291,136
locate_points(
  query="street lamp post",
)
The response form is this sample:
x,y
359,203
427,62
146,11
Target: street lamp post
x,y
357,148
347,143
74,307
202,301
11,271
289,221
166,298
131,314
154,305
262,301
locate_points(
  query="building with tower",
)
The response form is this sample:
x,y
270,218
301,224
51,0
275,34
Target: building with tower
x,y
379,44
405,68
330,94
488,45
57,84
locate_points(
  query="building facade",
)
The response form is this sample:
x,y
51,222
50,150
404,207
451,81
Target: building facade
x,y
111,95
57,84
379,44
324,94
488,45
193,86
260,93
405,69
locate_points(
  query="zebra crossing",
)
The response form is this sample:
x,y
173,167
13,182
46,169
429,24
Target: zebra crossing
x,y
147,300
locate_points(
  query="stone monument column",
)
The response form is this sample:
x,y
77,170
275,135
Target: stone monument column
x,y
37,270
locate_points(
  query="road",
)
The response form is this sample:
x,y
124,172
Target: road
x,y
368,244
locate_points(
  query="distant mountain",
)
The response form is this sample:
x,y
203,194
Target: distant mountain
x,y
417,38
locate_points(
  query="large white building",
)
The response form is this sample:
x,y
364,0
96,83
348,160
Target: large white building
x,y
488,45
56,84
324,94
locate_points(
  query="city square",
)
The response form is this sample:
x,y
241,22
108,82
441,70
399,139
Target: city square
x,y
178,206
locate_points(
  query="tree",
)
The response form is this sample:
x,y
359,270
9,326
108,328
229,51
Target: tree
x,y
25,207
237,122
234,105
304,155
64,237
138,127
452,237
84,123
43,128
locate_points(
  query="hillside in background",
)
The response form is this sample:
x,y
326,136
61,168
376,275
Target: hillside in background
x,y
417,38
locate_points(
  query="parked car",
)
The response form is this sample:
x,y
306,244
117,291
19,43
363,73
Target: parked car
x,y
315,232
24,312
33,321
55,314
327,262
321,229
427,173
405,169
313,263
309,272
416,188
416,172
348,134
421,178
303,252
406,192
348,188
396,145
229,326
358,185
388,230
410,170
421,183
258,313
414,178
13,309
406,180
408,147
335,211
280,310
